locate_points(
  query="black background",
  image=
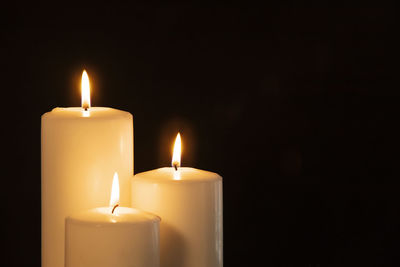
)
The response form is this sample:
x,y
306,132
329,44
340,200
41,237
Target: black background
x,y
297,109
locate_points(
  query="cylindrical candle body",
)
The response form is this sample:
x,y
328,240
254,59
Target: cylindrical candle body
x,y
189,202
81,151
97,238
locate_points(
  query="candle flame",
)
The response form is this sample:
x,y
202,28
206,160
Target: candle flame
x,y
114,199
85,87
176,156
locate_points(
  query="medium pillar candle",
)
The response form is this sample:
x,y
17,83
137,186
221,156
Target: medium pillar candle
x,y
189,202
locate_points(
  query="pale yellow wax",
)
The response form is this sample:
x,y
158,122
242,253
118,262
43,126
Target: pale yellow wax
x,y
189,202
81,150
98,238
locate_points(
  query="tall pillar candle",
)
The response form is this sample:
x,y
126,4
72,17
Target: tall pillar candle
x,y
81,150
189,202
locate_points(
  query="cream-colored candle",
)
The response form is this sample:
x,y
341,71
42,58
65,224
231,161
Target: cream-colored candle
x,y
189,202
112,236
82,147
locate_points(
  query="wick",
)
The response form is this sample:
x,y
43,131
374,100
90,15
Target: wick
x,y
116,205
86,108
176,167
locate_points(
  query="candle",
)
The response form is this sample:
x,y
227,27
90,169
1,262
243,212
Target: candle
x,y
112,236
81,149
189,201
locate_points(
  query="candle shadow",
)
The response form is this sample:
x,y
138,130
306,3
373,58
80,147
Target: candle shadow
x,y
172,247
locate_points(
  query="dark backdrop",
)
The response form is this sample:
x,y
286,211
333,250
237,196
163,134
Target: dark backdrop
x,y
297,109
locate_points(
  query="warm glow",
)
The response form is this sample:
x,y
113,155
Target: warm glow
x,y
176,156
85,87
114,199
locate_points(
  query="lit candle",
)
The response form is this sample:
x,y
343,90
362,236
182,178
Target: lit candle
x,y
112,236
189,201
81,149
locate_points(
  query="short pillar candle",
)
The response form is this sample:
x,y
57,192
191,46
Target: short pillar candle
x,y
112,236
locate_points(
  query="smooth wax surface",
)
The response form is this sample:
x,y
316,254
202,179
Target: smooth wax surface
x,y
98,238
189,202
81,151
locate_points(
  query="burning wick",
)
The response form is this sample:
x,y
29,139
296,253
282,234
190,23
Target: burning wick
x,y
116,205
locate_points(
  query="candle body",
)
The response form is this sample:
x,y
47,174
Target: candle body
x,y
80,153
189,202
97,238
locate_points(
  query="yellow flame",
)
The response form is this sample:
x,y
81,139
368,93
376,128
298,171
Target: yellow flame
x,y
114,199
176,156
85,87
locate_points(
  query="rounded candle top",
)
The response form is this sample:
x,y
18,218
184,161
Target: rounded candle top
x,y
183,174
103,216
93,112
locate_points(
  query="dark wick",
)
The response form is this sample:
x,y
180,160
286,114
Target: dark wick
x,y
176,167
116,205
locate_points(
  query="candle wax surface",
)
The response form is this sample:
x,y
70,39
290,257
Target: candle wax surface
x,y
104,216
93,112
183,174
